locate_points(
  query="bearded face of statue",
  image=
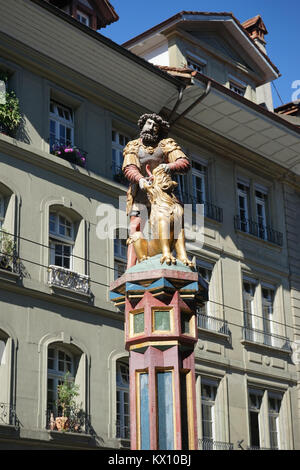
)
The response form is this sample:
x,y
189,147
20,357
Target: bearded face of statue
x,y
150,133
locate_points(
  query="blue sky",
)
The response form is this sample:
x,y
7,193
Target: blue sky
x,y
280,17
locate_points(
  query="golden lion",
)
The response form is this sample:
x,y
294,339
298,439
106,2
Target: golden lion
x,y
166,218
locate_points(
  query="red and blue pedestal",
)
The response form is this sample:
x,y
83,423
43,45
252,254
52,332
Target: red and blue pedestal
x,y
160,334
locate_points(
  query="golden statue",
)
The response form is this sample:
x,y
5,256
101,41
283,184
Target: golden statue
x,y
148,164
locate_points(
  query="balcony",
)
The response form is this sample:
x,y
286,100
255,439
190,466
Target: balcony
x,y
8,416
263,232
67,279
77,422
210,444
210,210
216,325
266,339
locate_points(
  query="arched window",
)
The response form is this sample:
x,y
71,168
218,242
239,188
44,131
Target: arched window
x,y
67,251
7,361
66,364
122,400
60,362
61,240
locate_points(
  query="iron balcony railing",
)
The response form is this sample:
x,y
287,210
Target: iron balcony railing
x,y
78,422
8,415
67,279
206,322
210,210
210,444
266,338
264,232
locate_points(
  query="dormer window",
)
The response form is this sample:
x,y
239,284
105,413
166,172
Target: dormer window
x,y
237,86
83,18
197,65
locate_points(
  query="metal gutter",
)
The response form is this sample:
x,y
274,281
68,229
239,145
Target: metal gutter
x,y
107,42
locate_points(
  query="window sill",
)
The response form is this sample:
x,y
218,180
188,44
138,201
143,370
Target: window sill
x,y
9,276
249,236
69,293
123,443
71,438
254,344
216,334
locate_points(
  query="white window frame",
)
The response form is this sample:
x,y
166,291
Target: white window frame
x,y
2,211
61,122
207,269
83,18
119,141
196,65
211,403
56,238
120,256
237,86
250,297
256,409
180,179
202,176
261,218
275,414
55,374
122,391
267,317
245,195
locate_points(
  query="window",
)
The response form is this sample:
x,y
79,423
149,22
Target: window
x,y
123,415
267,311
180,190
253,212
119,141
274,409
120,256
61,240
195,65
265,405
255,400
208,397
205,270
199,176
60,361
2,212
83,18
237,88
243,206
249,305
260,203
61,125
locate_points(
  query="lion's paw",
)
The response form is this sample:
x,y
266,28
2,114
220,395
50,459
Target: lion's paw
x,y
169,259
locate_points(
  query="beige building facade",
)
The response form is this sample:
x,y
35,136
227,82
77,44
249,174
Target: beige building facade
x,y
78,88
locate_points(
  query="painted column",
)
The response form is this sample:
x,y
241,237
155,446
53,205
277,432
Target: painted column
x,y
160,334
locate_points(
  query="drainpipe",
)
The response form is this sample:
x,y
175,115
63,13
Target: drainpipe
x,y
186,111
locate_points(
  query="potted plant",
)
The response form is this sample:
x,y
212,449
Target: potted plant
x,y
7,245
70,153
66,402
10,116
